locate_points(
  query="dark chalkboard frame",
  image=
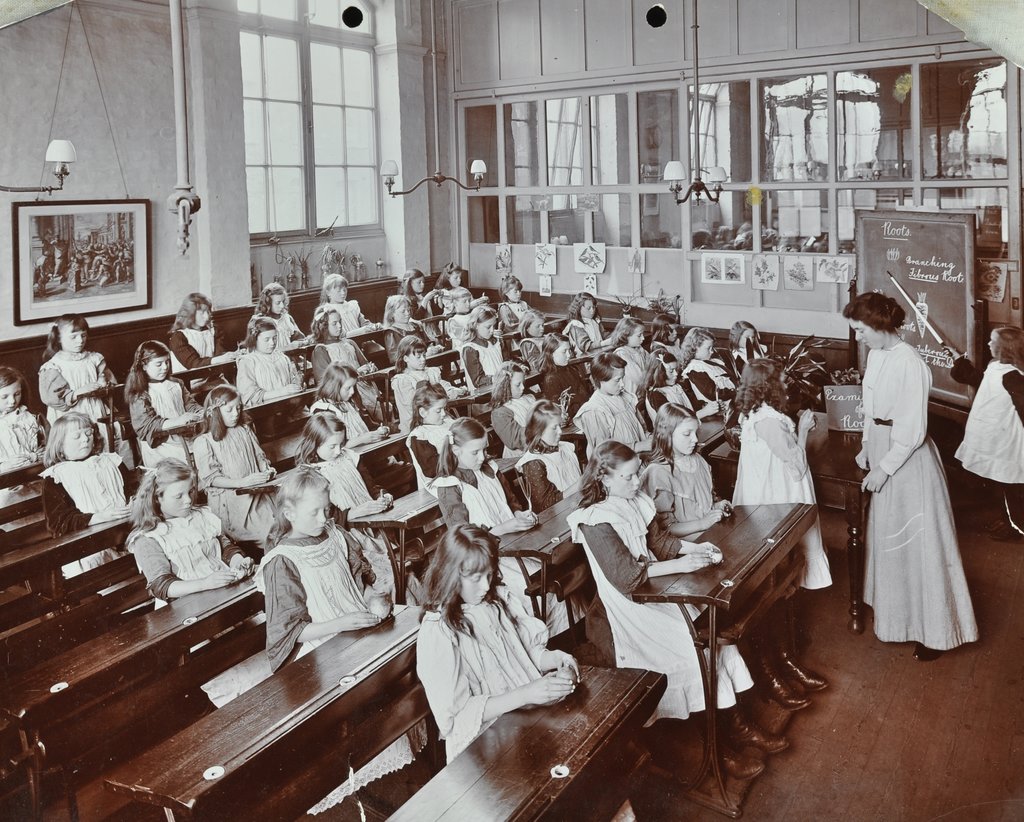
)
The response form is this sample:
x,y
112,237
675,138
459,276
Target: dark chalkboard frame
x,y
872,265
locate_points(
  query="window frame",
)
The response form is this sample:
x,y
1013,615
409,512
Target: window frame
x,y
306,34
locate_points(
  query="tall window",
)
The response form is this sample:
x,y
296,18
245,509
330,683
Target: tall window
x,y
309,104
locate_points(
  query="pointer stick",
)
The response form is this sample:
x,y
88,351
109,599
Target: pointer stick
x,y
922,317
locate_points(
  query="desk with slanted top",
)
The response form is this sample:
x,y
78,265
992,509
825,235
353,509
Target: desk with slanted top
x,y
761,561
506,773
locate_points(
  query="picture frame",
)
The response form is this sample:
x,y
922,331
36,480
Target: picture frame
x,y
85,257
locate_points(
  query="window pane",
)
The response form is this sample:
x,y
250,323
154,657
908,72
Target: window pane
x,y
851,200
565,220
990,214
288,198
724,129
329,13
249,6
359,140
256,185
330,197
358,78
252,65
725,224
794,128
282,68
609,139
285,132
963,119
661,221
874,140
362,196
252,113
611,220
483,219
325,65
285,9
522,144
523,220
658,132
795,221
565,151
328,139
482,141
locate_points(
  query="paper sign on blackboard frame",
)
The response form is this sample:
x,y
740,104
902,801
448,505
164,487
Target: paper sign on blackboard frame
x,y
931,255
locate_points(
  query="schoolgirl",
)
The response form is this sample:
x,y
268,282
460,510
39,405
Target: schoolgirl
x,y
584,327
334,292
667,335
317,584
565,384
22,435
69,371
194,341
333,346
265,373
479,653
429,408
531,339
447,289
708,381
398,324
411,371
627,340
228,456
458,327
413,288
482,355
513,307
273,305
610,412
470,491
510,407
745,345
156,402
661,384
335,396
613,526
550,467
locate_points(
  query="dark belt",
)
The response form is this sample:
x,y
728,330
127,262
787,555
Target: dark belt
x,y
883,422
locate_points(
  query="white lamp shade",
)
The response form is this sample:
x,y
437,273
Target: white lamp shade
x,y
389,168
716,174
674,171
61,151
478,167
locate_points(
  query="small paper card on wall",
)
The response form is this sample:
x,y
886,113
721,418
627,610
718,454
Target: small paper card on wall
x,y
544,285
733,270
797,274
544,259
711,268
764,275
589,257
503,258
590,283
992,276
833,269
636,261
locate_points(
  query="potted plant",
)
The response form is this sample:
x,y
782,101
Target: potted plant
x,y
844,401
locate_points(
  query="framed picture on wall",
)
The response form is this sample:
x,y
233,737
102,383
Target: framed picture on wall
x,y
81,257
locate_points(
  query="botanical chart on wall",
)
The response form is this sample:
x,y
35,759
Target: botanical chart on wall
x,y
589,258
503,258
544,259
80,257
544,285
636,261
764,273
992,276
833,269
797,273
722,269
590,283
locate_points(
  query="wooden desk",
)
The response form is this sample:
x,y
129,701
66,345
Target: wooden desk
x,y
287,742
20,476
831,456
506,772
755,541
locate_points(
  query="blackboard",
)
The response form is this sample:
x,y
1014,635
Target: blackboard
x,y
932,257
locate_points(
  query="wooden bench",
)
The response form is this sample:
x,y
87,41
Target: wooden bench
x,y
95,703
277,749
509,771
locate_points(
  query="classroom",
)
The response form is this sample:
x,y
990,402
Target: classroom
x,y
511,409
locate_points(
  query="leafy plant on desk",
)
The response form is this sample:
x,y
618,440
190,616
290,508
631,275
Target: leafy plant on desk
x,y
846,376
804,373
